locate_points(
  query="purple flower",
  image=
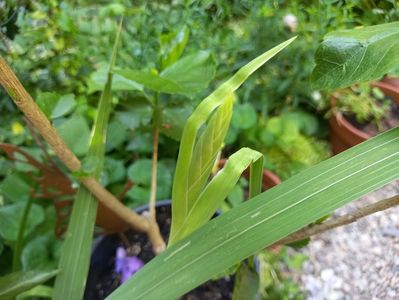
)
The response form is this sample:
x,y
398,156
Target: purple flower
x,y
126,265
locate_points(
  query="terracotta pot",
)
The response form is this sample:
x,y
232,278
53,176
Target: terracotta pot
x,y
269,178
343,134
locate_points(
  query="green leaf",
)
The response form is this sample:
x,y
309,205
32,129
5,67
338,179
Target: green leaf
x,y
349,56
213,195
42,291
246,284
15,188
182,180
76,134
116,135
65,105
98,80
172,46
54,105
174,117
115,170
268,217
138,113
10,216
14,284
192,73
152,81
38,254
244,116
75,258
203,159
47,102
140,174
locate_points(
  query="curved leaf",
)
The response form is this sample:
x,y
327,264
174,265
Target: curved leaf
x,y
182,181
217,190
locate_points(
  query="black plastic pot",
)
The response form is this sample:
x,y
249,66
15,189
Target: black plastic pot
x,y
102,279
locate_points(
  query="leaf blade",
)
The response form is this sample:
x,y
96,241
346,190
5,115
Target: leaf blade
x,y
15,283
217,190
196,120
75,258
290,206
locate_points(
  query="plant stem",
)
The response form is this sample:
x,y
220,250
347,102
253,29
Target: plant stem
x,y
154,166
33,113
16,259
307,232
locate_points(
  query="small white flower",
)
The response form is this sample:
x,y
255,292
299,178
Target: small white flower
x,y
291,22
316,95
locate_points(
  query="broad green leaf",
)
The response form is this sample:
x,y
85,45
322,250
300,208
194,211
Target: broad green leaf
x,y
192,73
10,218
65,105
47,102
244,116
54,105
137,114
14,284
38,254
140,174
115,170
181,183
117,134
349,56
218,189
246,284
141,143
75,258
174,116
172,46
15,188
151,81
98,80
268,217
76,134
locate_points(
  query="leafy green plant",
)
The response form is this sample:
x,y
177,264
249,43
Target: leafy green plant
x,y
367,104
300,200
200,249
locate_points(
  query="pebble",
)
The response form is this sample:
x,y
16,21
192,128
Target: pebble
x,y
357,261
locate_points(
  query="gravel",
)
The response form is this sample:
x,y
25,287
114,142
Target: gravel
x,y
356,261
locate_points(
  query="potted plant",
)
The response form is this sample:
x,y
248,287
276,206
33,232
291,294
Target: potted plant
x,y
198,249
360,112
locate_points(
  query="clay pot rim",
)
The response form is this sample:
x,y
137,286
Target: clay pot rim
x,y
387,88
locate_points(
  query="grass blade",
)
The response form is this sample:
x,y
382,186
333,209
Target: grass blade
x,y
15,283
75,258
267,218
181,184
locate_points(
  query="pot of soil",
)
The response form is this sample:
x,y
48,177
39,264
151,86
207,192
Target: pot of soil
x,y
269,179
135,250
346,131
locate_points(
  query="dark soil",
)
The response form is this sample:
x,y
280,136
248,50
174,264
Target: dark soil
x,y
391,120
103,280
